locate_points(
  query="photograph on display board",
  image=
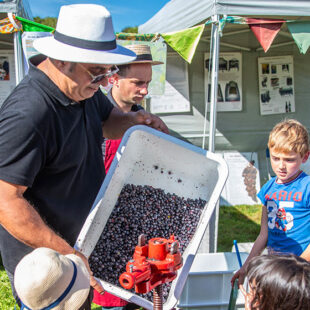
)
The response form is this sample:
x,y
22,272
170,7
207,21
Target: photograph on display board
x,y
7,74
229,92
4,68
276,87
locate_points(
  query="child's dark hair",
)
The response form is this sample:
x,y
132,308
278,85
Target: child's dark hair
x,y
279,282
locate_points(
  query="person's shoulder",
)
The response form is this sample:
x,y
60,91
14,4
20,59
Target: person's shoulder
x,y
101,100
303,179
136,107
25,104
99,95
304,175
269,183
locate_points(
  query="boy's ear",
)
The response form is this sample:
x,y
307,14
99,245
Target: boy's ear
x,y
306,157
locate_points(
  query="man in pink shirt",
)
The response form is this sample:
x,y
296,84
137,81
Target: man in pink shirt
x,y
130,86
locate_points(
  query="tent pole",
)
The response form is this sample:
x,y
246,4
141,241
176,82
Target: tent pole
x,y
215,45
18,57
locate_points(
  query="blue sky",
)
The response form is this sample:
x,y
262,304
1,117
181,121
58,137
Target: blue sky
x,y
124,12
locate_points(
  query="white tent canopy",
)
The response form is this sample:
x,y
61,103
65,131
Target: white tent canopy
x,y
181,14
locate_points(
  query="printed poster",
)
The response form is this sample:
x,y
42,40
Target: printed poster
x,y
7,74
243,181
276,85
229,94
176,96
27,43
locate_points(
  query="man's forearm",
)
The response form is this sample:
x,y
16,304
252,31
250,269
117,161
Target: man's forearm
x,y
23,222
118,122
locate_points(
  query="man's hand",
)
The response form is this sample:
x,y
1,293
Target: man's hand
x,y
93,282
142,117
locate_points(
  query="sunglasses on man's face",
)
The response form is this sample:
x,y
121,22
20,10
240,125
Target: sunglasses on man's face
x,y
98,78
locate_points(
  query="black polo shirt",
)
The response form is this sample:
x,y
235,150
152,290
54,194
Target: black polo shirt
x,y
53,146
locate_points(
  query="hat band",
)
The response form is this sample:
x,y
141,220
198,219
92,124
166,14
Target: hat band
x,y
64,294
87,44
144,57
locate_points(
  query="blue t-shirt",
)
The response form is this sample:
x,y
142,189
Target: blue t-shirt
x,y
288,214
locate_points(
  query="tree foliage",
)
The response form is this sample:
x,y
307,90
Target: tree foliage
x,y
52,21
130,29
48,21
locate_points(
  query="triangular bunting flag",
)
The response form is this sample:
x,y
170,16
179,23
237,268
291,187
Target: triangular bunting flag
x,y
301,34
251,21
265,33
6,26
184,42
29,25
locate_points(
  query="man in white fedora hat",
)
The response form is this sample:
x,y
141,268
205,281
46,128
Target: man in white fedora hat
x,y
45,279
51,130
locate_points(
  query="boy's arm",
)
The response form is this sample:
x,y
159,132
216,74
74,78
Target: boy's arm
x,y
306,254
258,246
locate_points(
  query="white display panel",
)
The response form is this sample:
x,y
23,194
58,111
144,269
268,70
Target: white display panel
x,y
276,85
229,96
243,181
176,96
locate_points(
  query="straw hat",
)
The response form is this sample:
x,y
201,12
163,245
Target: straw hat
x,y
143,53
45,278
84,33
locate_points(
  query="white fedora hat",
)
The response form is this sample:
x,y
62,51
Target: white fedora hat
x,y
84,33
46,279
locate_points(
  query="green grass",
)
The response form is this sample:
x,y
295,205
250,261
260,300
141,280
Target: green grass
x,y
6,299
241,223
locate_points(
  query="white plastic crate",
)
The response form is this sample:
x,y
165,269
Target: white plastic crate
x,y
202,174
208,284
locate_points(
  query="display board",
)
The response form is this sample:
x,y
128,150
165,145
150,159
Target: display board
x,y
28,49
229,95
176,96
243,181
7,73
276,84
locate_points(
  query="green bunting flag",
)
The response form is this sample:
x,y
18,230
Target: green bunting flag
x,y
31,26
185,41
301,33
